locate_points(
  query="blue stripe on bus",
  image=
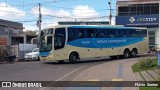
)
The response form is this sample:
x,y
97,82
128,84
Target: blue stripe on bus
x,y
44,53
104,42
104,27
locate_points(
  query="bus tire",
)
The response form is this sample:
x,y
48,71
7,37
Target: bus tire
x,y
126,53
61,61
113,57
134,53
73,58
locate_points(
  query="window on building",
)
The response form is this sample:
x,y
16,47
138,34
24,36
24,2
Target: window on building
x,y
123,11
147,9
155,8
133,9
140,9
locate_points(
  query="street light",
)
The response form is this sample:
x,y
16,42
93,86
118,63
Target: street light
x,y
110,15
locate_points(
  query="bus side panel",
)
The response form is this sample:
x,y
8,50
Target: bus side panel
x,y
83,52
61,54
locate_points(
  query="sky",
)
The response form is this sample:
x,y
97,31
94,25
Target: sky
x,y
26,11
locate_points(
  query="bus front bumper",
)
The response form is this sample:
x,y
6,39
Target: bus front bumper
x,y
47,59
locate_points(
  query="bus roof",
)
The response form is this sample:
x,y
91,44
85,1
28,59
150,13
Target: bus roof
x,y
95,26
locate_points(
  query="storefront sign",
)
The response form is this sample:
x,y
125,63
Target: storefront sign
x,y
138,20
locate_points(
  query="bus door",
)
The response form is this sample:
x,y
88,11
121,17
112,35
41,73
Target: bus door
x,y
60,52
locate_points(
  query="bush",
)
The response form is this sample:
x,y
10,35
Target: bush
x,y
2,52
146,63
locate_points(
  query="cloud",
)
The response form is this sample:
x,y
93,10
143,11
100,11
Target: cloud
x,y
82,12
85,11
51,12
8,12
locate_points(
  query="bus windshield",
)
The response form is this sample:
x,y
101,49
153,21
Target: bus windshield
x,y
42,44
46,46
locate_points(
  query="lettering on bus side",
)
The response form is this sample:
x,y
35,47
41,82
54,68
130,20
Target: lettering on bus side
x,y
86,42
111,41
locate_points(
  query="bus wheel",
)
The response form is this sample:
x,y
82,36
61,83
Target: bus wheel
x,y
134,53
113,57
126,53
61,61
73,58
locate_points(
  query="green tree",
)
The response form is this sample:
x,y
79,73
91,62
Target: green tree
x,y
30,32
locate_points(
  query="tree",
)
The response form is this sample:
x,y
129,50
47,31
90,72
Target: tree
x,y
30,32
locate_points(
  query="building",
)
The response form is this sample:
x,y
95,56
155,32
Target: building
x,y
140,13
84,23
11,33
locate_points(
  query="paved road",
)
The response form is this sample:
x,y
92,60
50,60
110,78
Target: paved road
x,y
38,71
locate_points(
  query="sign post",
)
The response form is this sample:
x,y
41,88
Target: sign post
x,y
158,57
159,39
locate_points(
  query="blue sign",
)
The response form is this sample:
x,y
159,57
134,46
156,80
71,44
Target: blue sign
x,y
138,20
104,42
158,58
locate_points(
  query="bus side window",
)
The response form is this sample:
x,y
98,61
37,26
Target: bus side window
x,y
111,33
117,33
80,33
123,33
50,31
72,34
101,34
91,33
85,33
143,33
59,40
132,33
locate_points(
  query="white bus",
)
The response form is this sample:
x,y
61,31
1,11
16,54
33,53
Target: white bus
x,y
74,43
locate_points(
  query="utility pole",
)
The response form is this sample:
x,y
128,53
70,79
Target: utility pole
x,y
39,22
159,39
110,15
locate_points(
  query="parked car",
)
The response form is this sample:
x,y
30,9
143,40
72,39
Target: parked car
x,y
34,55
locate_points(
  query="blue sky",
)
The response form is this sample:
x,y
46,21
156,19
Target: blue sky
x,y
26,11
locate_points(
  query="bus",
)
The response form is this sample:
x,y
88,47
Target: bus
x,y
73,43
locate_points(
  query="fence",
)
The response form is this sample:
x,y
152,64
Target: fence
x,y
18,50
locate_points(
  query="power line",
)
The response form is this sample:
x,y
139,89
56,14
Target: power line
x,y
73,8
30,4
75,18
